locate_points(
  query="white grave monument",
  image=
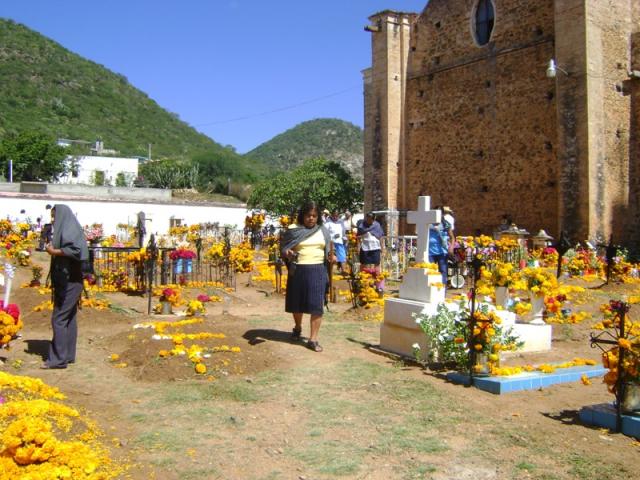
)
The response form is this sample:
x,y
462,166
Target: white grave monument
x,y
421,292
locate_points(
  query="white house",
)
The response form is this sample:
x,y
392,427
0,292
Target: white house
x,y
93,170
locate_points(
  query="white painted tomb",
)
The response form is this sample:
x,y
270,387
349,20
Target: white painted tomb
x,y
421,292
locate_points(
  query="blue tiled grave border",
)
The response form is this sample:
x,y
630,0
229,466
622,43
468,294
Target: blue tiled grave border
x,y
604,415
527,380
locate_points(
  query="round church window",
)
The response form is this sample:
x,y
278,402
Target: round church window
x,y
483,20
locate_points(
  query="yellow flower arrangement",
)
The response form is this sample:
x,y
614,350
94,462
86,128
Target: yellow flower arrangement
x,y
629,343
284,221
241,257
522,308
429,266
29,386
179,230
483,241
9,327
195,307
366,292
266,273
539,281
505,244
139,256
504,274
41,439
98,304
544,368
215,252
254,222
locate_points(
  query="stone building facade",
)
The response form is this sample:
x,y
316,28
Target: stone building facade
x,y
460,104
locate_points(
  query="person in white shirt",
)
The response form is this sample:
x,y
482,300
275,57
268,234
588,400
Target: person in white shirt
x,y
370,234
337,233
448,223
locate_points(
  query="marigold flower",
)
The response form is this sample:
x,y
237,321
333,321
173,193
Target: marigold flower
x,y
624,343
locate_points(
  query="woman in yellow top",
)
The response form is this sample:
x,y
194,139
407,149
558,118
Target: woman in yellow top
x,y
306,248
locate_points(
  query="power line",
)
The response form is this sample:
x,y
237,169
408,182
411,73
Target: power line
x,y
281,109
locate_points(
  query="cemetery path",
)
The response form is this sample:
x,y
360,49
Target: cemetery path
x,y
276,410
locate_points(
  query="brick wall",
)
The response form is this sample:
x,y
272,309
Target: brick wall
x,y
384,96
486,132
481,121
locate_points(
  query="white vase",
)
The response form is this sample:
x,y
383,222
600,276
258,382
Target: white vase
x,y
536,316
502,297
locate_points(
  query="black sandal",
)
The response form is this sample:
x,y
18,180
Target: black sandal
x,y
315,346
296,333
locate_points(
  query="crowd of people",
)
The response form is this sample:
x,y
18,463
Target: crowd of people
x,y
318,238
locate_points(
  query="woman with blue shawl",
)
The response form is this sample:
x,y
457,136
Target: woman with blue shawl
x,y
68,249
306,248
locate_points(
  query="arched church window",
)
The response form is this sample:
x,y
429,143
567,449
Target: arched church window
x,y
483,21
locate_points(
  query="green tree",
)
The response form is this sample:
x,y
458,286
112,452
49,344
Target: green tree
x,y
121,180
170,174
98,178
327,183
218,169
35,155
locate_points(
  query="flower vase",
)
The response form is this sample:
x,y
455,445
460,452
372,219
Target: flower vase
x,y
502,297
631,399
166,308
481,367
536,316
177,266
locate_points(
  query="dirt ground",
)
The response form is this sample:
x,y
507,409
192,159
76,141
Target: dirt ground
x,y
276,410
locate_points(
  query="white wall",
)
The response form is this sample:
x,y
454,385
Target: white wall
x,y
111,166
109,214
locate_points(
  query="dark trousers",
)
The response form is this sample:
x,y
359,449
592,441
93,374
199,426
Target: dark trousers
x,y
441,260
65,327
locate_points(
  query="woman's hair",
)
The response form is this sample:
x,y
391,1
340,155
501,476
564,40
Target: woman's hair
x,y
306,208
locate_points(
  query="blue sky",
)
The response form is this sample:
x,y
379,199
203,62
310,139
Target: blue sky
x,y
214,61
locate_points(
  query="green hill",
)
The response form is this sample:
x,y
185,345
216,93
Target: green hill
x,y
46,87
329,138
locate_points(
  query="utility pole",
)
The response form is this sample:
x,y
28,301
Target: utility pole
x,y
149,154
10,171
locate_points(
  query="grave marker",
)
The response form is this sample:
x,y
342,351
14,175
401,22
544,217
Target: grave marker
x,y
423,218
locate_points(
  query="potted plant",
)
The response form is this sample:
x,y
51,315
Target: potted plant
x,y
36,275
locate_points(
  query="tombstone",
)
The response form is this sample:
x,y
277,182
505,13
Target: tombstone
x,y
421,292
422,218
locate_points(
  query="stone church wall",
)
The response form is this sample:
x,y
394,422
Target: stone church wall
x,y
481,121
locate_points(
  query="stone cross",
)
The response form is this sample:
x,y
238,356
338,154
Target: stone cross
x,y
422,218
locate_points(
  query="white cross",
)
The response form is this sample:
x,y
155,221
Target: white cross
x,y
422,218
